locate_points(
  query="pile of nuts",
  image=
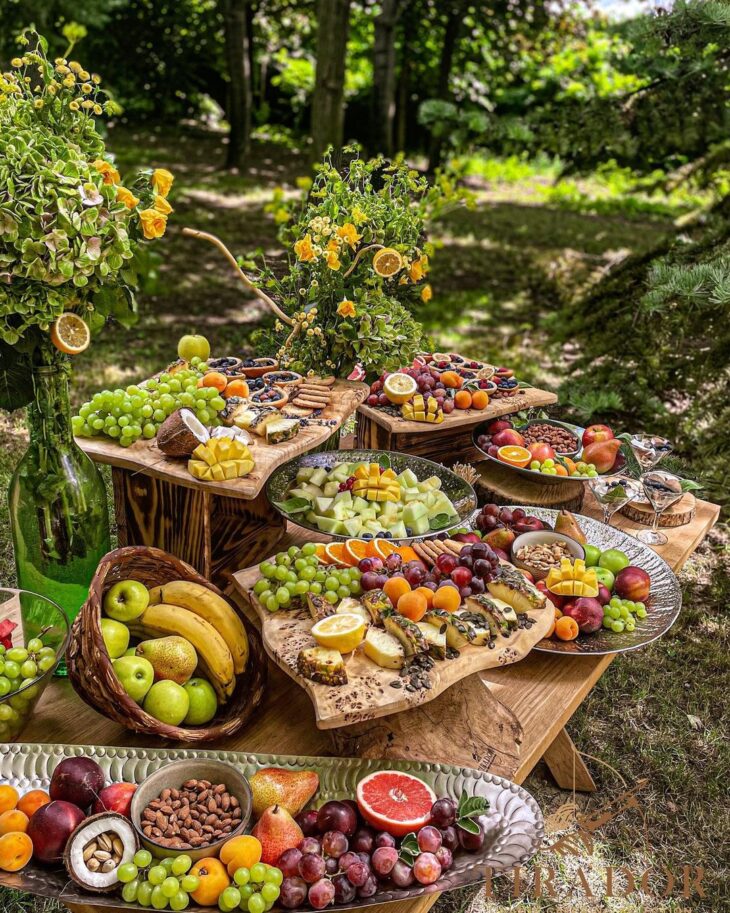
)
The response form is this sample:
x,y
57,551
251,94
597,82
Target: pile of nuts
x,y
544,555
560,439
195,815
103,853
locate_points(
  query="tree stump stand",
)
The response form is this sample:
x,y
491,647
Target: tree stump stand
x,y
499,484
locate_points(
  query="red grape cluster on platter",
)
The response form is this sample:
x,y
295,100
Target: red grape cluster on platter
x,y
428,381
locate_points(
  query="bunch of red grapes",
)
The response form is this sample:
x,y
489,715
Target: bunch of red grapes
x,y
341,858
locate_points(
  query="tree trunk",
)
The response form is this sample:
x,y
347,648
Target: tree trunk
x,y
238,58
403,89
451,38
328,107
384,79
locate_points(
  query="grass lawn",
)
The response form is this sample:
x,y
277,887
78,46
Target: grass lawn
x,y
659,714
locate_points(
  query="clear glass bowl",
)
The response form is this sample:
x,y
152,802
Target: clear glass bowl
x,y
34,616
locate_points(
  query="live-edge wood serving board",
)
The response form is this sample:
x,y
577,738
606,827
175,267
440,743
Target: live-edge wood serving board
x,y
368,693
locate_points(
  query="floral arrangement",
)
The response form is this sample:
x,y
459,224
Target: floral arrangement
x,y
358,268
69,227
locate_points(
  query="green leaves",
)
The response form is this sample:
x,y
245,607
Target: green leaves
x,y
409,850
468,809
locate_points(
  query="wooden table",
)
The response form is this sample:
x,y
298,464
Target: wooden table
x,y
214,526
447,442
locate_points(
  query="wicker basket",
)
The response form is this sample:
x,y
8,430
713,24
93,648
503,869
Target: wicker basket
x,y
90,668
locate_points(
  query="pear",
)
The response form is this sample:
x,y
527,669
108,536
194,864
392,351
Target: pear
x,y
173,658
291,789
567,525
276,831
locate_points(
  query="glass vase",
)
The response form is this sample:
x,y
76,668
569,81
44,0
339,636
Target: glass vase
x,y
58,505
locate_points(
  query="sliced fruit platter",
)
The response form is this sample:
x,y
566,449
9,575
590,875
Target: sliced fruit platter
x,y
609,592
370,494
554,451
102,826
368,627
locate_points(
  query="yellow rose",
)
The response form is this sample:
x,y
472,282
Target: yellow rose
x,y
111,175
162,181
153,223
349,234
127,197
426,293
161,205
346,308
304,250
333,260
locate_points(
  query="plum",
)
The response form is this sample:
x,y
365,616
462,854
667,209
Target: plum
x,y
77,780
587,612
50,827
632,583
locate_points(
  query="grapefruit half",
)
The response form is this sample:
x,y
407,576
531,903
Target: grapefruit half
x,y
393,801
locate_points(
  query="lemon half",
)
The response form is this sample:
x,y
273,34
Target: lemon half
x,y
342,632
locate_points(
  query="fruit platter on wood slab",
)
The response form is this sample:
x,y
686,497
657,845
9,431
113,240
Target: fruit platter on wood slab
x,y
220,423
370,628
370,494
166,829
609,592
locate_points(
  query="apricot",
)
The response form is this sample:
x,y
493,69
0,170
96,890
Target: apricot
x,y
214,379
480,399
447,598
32,801
451,379
566,628
427,594
8,797
395,587
412,605
236,388
16,849
240,853
213,880
462,400
13,820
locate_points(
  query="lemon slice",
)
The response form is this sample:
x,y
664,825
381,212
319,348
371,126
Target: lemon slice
x,y
399,388
342,632
70,334
387,262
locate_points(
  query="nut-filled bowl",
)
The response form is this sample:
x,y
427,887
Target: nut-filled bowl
x,y
177,782
540,542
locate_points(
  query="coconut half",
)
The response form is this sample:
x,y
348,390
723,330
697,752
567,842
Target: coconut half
x,y
181,433
97,848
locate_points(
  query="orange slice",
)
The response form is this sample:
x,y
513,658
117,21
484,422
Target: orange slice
x,y
321,554
335,552
70,334
387,262
355,549
382,548
407,553
514,455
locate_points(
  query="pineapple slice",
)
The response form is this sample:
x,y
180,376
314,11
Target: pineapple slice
x,y
320,664
384,649
516,590
436,639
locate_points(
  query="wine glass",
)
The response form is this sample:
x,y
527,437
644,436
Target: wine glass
x,y
649,449
662,489
612,492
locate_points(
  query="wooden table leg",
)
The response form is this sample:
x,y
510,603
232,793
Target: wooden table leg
x,y
567,766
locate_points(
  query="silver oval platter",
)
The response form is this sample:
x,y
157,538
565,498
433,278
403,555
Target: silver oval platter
x,y
665,600
514,822
458,491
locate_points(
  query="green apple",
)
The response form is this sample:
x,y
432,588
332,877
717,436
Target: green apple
x,y
126,600
167,702
203,702
604,576
193,346
136,675
116,637
614,560
593,553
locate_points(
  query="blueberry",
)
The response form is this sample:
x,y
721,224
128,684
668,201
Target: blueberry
x,y
379,535
388,535
409,531
367,536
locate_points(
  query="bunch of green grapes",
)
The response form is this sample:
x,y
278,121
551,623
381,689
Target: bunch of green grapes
x,y
125,415
620,614
163,885
296,572
254,890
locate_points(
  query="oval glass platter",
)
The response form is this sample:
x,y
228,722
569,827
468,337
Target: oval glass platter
x,y
665,601
458,491
514,821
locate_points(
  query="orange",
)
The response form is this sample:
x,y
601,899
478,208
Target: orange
x,y
387,262
13,820
32,801
8,797
407,553
479,399
566,628
335,552
214,379
70,334
427,594
240,853
395,587
412,605
514,455
16,849
451,379
355,549
321,554
382,548
213,881
447,597
462,400
236,388
560,470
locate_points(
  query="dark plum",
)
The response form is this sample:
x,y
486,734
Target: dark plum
x,y
337,816
307,821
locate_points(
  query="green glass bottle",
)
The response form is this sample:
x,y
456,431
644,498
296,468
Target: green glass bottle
x,y
58,506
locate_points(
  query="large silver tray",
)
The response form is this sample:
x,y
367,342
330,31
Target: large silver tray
x,y
459,492
664,604
515,819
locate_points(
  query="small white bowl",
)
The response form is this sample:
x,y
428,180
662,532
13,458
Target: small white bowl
x,y
541,537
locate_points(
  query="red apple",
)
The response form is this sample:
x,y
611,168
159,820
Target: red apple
x,y
587,612
499,424
557,601
500,553
508,438
604,594
602,454
50,827
632,583
115,798
528,525
541,451
467,537
502,537
596,433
